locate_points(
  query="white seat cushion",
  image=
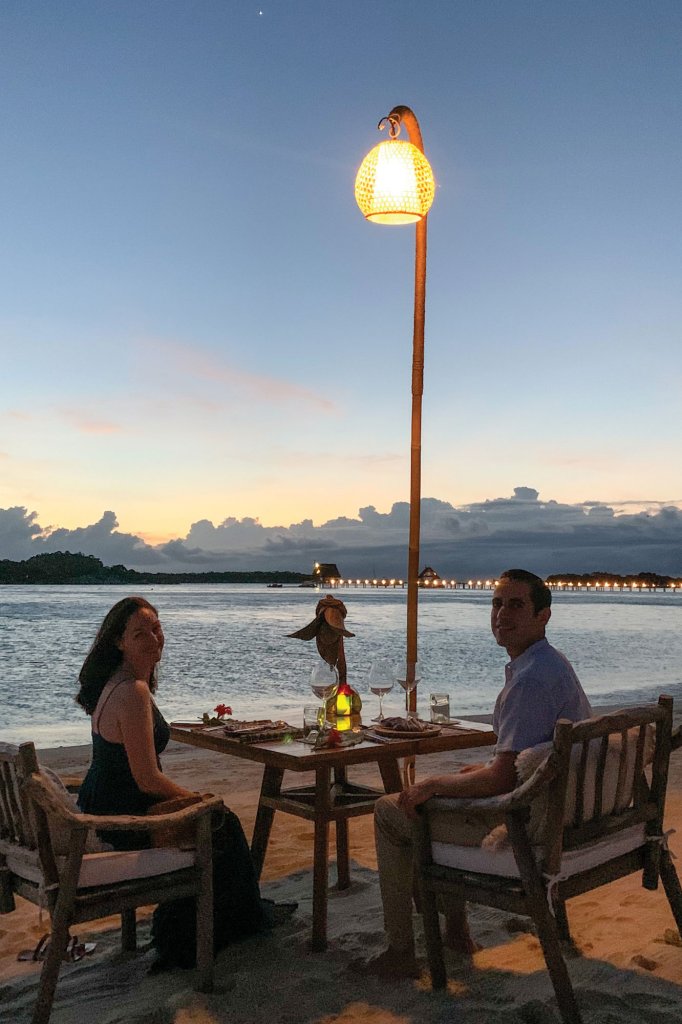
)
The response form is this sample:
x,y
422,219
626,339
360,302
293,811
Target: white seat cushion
x,y
112,866
484,860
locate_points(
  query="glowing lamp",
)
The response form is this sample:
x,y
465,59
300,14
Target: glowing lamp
x,y
395,184
343,703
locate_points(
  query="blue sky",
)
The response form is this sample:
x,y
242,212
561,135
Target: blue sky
x,y
198,326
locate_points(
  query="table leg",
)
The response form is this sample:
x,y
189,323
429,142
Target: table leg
x,y
270,786
342,860
390,775
321,858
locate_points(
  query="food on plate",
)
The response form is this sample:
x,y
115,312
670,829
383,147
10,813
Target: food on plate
x,y
406,724
236,727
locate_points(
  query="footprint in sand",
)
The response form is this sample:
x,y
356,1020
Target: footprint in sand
x,y
633,899
644,962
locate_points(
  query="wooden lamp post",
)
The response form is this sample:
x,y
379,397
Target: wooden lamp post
x,y
395,185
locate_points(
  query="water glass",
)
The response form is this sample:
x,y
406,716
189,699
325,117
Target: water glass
x,y
439,704
313,719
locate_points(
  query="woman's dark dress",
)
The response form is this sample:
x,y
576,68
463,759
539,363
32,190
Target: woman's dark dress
x,y
109,788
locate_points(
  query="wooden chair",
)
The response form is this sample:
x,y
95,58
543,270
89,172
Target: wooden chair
x,y
587,816
44,858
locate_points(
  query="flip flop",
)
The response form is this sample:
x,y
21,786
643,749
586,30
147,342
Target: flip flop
x,y
38,953
74,951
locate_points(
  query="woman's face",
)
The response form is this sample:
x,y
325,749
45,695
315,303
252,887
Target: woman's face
x,y
142,637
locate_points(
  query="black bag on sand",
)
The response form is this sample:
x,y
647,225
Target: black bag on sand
x,y
238,910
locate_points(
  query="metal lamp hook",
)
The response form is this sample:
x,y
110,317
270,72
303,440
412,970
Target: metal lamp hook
x,y
393,122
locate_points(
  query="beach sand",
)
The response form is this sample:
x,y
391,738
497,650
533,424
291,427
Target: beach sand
x,y
625,970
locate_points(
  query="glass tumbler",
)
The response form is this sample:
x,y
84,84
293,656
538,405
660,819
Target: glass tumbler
x,y
439,704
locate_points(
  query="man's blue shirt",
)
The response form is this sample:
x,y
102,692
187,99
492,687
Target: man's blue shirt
x,y
540,687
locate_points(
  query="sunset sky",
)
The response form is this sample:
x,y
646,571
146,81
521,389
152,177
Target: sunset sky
x,y
198,327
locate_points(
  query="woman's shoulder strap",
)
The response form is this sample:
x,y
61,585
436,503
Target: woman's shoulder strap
x,y
104,704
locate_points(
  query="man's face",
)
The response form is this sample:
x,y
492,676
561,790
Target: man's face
x,y
513,620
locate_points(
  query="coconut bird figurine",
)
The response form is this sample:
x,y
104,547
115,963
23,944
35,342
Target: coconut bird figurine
x,y
328,630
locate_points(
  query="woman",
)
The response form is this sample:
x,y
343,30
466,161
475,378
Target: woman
x,y
129,732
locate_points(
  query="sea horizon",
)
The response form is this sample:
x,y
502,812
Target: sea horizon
x,y
228,643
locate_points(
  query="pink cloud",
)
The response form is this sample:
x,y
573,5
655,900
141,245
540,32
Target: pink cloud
x,y
207,366
86,424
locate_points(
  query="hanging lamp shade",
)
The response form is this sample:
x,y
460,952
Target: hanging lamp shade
x,y
395,183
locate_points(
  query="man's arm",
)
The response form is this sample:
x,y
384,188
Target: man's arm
x,y
489,780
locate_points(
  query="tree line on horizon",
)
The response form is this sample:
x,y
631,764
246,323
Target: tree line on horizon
x,y
67,568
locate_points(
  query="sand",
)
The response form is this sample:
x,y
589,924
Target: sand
x,y
624,969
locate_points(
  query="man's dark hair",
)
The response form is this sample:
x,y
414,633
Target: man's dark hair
x,y
540,594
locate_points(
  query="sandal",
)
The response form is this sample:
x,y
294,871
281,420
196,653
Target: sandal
x,y
38,953
74,951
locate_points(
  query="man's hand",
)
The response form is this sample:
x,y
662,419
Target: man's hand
x,y
409,799
499,776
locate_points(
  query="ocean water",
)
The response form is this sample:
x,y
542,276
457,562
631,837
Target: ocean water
x,y
228,643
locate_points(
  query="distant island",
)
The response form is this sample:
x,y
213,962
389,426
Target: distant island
x,y
66,568
63,567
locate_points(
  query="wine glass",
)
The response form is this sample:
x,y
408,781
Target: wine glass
x,y
401,674
324,682
381,677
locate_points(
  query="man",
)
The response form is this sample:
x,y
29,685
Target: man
x,y
540,687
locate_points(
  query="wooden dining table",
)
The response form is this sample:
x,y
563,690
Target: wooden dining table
x,y
333,797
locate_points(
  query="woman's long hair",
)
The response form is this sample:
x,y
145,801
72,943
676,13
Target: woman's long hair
x,y
104,656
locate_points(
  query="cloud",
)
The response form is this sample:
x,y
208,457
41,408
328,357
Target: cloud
x,y
477,539
18,530
84,423
22,537
191,362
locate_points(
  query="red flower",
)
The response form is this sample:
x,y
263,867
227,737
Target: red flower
x,y
222,709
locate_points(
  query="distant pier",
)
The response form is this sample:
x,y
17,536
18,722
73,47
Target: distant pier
x,y
605,587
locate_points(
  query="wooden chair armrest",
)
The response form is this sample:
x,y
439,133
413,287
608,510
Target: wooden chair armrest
x,y
518,798
52,803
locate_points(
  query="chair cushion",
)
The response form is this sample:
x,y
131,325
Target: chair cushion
x,y
489,861
111,866
122,866
60,833
530,759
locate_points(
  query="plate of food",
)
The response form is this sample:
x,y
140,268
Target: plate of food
x,y
406,728
259,731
